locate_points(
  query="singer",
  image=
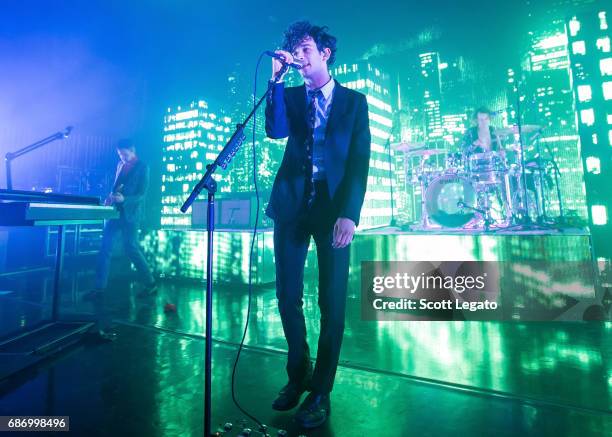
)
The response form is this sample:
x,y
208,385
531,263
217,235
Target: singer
x,y
318,192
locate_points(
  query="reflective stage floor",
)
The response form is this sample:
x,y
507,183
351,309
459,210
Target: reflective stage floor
x,y
394,379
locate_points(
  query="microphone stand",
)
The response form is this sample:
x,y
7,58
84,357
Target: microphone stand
x,y
543,217
561,220
10,156
524,222
208,183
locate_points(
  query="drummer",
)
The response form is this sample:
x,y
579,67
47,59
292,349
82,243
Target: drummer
x,y
481,137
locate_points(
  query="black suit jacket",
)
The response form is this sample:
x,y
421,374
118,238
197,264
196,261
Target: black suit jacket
x,y
134,190
347,151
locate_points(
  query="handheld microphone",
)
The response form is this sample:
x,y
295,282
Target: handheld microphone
x,y
280,58
67,131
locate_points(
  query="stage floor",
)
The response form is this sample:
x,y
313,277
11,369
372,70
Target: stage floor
x,y
394,379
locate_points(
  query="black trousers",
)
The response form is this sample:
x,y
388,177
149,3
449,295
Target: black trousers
x,y
291,241
132,248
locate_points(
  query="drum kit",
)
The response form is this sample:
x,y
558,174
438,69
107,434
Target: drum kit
x,y
476,191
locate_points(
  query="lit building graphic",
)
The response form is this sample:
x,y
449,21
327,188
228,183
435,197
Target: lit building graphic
x,y
268,153
375,84
547,100
465,87
454,126
238,100
193,136
432,94
456,77
591,68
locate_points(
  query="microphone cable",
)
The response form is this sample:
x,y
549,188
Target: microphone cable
x,y
253,237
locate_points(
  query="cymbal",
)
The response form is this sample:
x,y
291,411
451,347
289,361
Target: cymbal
x,y
538,164
528,128
405,146
504,131
426,152
511,130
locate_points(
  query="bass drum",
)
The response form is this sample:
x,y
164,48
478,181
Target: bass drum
x,y
443,199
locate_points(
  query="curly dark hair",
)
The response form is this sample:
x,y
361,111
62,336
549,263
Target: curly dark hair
x,y
481,110
126,144
299,30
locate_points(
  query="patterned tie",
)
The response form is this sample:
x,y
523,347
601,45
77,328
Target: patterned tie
x,y
313,95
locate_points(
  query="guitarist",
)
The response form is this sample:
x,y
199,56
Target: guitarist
x,y
128,195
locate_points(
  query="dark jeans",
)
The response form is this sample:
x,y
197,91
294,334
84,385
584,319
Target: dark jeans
x,y
291,242
131,247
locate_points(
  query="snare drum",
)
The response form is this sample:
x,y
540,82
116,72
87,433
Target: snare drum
x,y
487,167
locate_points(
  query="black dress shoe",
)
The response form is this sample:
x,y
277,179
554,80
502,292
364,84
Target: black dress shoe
x,y
314,410
289,396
